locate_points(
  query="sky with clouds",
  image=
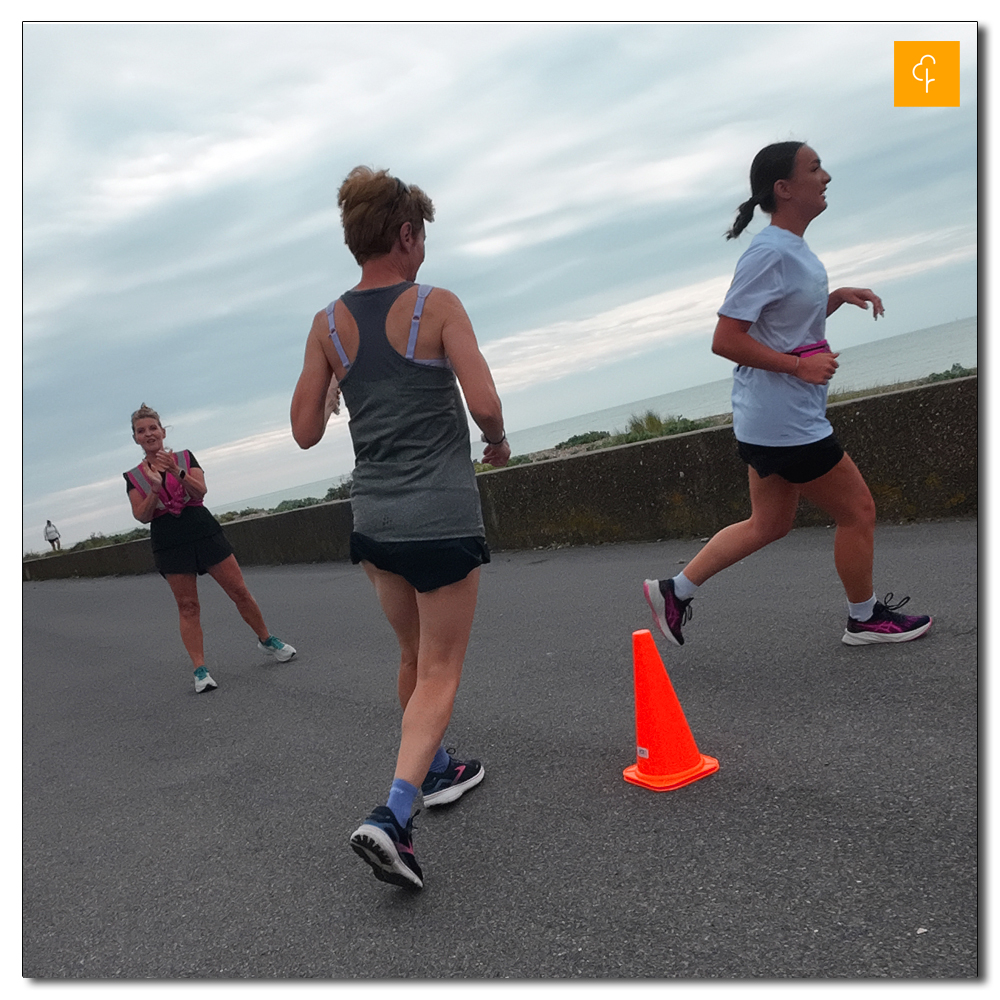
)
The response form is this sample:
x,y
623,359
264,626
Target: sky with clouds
x,y
180,227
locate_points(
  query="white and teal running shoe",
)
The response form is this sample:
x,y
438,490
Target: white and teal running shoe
x,y
203,681
281,651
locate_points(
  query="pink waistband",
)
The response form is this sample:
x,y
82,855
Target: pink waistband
x,y
820,347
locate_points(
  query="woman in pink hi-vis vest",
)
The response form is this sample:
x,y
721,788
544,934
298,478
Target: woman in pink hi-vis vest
x,y
167,491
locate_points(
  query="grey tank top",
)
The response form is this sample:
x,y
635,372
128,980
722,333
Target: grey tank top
x,y
413,473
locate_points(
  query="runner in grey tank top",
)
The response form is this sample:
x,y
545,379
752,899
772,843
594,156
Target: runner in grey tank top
x,y
399,354
413,477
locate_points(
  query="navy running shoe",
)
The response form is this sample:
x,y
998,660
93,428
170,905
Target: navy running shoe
x,y
669,612
441,787
388,848
886,626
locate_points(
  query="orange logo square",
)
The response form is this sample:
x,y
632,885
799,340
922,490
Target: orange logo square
x,y
926,75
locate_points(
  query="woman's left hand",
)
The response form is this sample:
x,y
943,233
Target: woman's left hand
x,y
856,297
165,461
497,455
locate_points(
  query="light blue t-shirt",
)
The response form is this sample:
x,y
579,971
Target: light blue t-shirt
x,y
780,286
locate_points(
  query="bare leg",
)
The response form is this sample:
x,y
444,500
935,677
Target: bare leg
x,y
229,577
185,590
844,495
399,603
441,620
773,503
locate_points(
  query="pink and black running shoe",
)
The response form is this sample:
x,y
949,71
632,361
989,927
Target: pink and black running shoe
x,y
886,626
441,787
669,612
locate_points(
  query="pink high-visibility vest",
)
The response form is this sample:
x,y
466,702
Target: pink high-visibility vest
x,y
172,498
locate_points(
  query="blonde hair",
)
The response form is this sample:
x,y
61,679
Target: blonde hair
x,y
142,413
373,206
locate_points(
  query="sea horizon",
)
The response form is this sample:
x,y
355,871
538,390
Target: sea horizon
x,y
891,360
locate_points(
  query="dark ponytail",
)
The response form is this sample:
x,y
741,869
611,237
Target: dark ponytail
x,y
743,216
773,163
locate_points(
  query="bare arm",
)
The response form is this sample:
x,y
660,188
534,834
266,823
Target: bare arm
x,y
143,508
855,297
462,350
732,341
194,484
309,411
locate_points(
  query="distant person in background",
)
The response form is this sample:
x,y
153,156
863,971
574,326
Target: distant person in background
x,y
167,490
52,536
395,350
772,325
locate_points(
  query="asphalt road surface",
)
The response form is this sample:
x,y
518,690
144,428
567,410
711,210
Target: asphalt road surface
x,y
173,835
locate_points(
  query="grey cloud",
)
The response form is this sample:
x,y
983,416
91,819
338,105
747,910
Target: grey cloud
x,y
208,288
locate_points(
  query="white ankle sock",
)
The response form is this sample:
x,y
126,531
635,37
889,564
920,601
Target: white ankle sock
x,y
684,588
863,611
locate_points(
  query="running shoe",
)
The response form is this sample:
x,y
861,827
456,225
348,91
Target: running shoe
x,y
886,626
388,848
669,612
203,681
441,787
281,651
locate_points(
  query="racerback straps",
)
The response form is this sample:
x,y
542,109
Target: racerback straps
x,y
411,344
333,336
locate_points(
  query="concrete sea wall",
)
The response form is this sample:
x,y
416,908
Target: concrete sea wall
x,y
917,448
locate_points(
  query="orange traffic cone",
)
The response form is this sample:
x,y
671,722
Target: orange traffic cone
x,y
666,755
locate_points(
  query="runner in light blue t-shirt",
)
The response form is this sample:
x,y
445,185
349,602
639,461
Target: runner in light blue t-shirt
x,y
772,325
780,288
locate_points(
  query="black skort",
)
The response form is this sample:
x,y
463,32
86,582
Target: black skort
x,y
800,463
424,565
198,556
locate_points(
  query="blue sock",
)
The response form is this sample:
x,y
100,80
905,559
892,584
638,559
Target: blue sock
x,y
441,760
401,797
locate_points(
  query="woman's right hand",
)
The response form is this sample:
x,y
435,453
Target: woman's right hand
x,y
154,477
332,404
817,369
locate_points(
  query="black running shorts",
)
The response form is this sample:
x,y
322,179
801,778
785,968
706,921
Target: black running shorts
x,y
424,565
800,463
198,556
